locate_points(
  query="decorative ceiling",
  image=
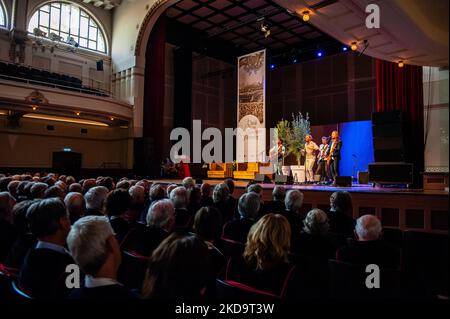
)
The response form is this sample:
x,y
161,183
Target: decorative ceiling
x,y
240,23
413,31
106,4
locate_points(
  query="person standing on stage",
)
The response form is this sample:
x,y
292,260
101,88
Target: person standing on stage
x,y
277,155
335,155
310,148
323,168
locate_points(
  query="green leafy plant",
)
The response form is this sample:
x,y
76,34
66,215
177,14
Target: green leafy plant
x,y
300,127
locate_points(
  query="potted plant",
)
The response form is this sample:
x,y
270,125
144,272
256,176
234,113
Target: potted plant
x,y
300,127
282,131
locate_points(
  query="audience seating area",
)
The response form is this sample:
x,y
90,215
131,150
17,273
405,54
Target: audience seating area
x,y
22,73
313,264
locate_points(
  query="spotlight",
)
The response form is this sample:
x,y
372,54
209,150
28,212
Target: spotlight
x,y
78,113
265,29
294,61
401,64
344,48
305,15
354,46
34,107
111,118
272,66
319,54
71,41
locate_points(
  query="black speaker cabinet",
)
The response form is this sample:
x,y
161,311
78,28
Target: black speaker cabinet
x,y
391,173
283,179
262,178
388,130
144,163
198,170
344,181
68,163
363,177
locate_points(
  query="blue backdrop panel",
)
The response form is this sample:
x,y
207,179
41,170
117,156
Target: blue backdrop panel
x,y
357,147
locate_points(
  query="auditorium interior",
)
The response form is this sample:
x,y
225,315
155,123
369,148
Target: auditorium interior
x,y
114,156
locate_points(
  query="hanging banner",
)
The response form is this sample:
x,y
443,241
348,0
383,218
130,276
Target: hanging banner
x,y
251,108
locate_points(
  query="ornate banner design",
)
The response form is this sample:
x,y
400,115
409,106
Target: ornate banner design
x,y
251,108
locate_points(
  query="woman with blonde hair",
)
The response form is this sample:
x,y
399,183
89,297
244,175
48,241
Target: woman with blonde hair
x,y
264,264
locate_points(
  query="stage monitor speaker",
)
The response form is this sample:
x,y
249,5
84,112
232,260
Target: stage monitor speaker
x,y
345,181
391,173
283,179
262,178
363,177
68,163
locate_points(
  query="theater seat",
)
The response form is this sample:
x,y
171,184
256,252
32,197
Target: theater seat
x,y
7,276
19,293
232,290
132,270
348,281
232,247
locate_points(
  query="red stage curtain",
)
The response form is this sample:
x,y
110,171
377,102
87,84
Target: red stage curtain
x,y
154,91
401,89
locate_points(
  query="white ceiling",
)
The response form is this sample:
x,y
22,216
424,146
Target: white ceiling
x,y
414,31
106,4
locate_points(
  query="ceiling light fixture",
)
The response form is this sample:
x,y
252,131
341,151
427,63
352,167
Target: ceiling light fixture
x,y
305,15
401,64
354,46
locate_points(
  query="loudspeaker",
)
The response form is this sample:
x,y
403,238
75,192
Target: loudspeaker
x,y
283,179
67,163
363,177
198,170
345,181
388,130
391,173
261,178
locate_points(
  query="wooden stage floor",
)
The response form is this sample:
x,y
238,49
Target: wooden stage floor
x,y
396,207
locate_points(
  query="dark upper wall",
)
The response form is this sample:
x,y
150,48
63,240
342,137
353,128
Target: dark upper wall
x,y
338,88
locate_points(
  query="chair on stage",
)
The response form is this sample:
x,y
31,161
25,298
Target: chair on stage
x,y
220,170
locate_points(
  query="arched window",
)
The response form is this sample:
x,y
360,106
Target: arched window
x,y
2,15
67,20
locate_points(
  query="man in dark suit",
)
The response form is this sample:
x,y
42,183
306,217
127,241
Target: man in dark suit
x,y
96,251
369,248
44,269
95,198
237,229
276,205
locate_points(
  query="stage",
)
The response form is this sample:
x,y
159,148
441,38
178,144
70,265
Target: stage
x,y
396,207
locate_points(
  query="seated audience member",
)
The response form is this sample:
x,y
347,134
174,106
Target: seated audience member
x,y
123,184
70,180
106,182
160,223
340,214
54,191
146,184
8,233
188,182
4,182
276,205
368,248
179,269
49,180
95,198
43,272
21,195
237,229
75,205
206,199
38,190
25,239
95,249
88,184
232,201
138,203
63,186
117,203
207,226
293,203
170,188
12,188
157,192
313,240
75,188
194,198
264,264
179,198
220,198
